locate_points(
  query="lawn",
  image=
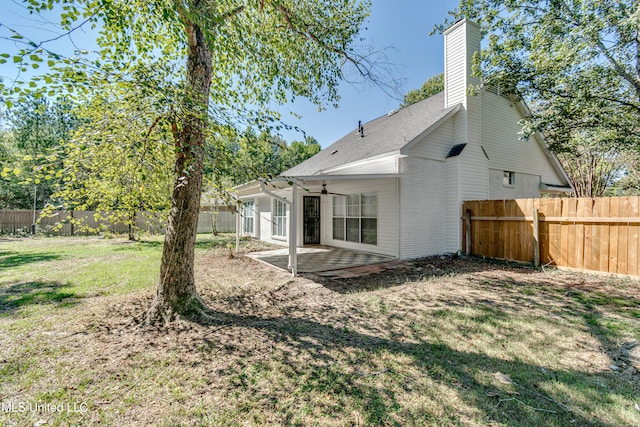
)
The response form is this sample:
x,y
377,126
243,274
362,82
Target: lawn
x,y
443,341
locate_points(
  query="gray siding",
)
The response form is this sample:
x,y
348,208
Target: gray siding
x,y
525,186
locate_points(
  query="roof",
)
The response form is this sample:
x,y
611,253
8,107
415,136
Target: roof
x,y
386,134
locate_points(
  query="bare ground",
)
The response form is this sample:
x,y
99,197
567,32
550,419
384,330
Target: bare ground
x,y
421,345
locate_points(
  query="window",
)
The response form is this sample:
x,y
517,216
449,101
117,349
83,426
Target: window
x,y
509,179
279,219
355,218
339,213
248,214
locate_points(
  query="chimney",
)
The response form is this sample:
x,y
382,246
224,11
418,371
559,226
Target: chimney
x,y
461,41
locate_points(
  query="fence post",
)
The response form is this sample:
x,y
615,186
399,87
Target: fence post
x,y
536,239
467,225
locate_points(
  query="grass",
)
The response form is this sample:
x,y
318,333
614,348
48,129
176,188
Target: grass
x,y
441,342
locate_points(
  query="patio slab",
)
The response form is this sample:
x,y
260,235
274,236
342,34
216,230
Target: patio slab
x,y
325,260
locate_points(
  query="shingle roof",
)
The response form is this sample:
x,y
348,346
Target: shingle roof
x,y
386,134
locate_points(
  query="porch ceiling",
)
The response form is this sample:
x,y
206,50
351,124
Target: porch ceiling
x,y
315,259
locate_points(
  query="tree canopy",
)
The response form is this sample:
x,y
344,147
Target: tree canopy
x,y
429,88
214,65
34,132
118,163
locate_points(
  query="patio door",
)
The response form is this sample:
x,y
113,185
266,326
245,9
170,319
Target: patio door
x,y
311,219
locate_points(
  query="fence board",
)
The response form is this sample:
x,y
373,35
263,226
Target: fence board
x,y
632,238
600,234
19,221
622,237
614,211
602,206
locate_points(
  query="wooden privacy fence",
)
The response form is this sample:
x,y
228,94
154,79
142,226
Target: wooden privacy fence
x,y
19,221
599,234
224,221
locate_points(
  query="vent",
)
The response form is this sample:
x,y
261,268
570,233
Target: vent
x,y
498,90
456,150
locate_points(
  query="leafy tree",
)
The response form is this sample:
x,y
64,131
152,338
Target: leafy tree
x,y
118,163
591,169
36,128
299,151
429,88
628,182
577,64
211,59
237,158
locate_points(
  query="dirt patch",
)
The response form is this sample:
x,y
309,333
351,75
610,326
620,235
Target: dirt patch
x,y
410,345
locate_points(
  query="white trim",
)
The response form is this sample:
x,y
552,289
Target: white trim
x,y
391,156
274,195
260,185
274,225
459,24
245,217
303,178
554,189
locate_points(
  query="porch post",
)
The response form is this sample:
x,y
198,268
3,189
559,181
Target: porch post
x,y
293,231
238,224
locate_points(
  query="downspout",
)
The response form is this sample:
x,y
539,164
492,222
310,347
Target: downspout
x,y
293,206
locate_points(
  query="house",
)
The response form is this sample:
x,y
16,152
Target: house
x,y
395,185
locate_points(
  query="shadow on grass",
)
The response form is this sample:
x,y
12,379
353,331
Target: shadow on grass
x,y
539,395
21,295
9,259
202,243
378,394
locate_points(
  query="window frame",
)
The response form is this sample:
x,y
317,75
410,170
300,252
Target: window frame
x,y
248,216
348,217
508,179
279,221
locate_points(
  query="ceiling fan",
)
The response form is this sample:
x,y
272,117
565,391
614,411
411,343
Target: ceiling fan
x,y
325,192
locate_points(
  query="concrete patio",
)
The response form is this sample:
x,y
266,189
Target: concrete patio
x,y
329,261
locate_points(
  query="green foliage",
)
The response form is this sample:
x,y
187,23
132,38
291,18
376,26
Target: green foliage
x,y
299,151
591,169
119,162
36,128
235,158
429,88
575,62
215,66
628,183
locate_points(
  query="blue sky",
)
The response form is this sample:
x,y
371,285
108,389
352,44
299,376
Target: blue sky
x,y
403,25
400,27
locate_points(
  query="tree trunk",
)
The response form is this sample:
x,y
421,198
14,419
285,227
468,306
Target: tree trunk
x,y
176,295
132,226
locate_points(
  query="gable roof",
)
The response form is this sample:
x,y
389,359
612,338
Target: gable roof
x,y
387,134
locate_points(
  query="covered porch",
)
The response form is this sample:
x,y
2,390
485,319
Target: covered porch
x,y
327,222
322,259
